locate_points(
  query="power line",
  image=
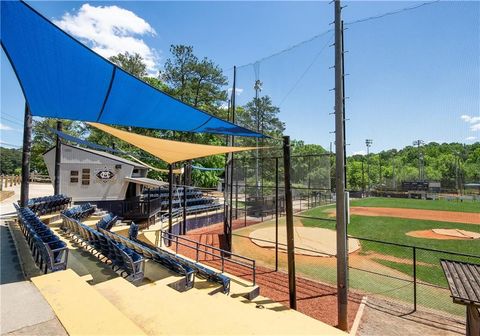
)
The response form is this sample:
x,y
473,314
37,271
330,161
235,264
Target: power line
x,y
11,116
12,121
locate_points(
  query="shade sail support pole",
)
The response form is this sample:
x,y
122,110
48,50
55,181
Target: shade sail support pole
x,y
58,159
184,226
292,288
170,197
26,153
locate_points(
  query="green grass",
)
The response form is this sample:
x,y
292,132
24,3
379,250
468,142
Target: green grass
x,y
394,230
385,202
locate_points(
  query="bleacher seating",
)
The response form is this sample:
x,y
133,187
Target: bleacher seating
x,y
48,204
80,211
163,258
106,222
120,256
49,252
172,261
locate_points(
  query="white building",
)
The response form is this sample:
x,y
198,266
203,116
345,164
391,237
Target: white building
x,y
89,175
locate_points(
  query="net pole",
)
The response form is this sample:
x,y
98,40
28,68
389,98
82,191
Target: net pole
x,y
276,214
342,256
290,238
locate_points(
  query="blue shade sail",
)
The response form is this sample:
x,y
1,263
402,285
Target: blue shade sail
x,y
62,78
82,142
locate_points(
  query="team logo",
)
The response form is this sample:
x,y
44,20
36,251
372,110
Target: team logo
x,y
105,175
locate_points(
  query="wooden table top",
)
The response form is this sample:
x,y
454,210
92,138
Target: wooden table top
x,y
464,281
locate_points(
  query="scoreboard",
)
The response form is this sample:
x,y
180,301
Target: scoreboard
x,y
415,185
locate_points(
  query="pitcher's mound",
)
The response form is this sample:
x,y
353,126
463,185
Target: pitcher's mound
x,y
444,234
309,241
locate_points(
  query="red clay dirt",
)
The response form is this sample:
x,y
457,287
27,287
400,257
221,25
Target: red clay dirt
x,y
429,234
314,299
436,215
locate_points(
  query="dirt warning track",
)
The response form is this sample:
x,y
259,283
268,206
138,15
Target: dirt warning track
x,y
435,215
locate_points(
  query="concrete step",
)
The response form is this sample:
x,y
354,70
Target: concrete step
x,y
159,309
80,308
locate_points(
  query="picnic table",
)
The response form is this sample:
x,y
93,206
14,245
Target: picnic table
x,y
464,281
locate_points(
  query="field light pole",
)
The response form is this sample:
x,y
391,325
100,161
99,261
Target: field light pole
x,y
418,143
368,143
341,209
26,152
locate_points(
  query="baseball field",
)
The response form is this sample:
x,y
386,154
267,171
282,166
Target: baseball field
x,y
377,267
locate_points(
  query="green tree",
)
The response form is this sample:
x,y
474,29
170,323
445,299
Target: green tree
x,y
10,160
131,63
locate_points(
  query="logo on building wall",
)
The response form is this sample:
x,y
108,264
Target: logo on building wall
x,y
105,175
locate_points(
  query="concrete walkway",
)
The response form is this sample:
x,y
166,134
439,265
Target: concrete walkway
x,y
23,310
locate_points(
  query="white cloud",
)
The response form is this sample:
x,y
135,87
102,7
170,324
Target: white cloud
x,y
4,127
238,91
360,152
470,119
471,138
475,127
110,30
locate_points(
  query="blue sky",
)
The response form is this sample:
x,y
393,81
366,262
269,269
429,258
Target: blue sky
x,y
413,75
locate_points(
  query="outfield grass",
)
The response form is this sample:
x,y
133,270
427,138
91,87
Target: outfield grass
x,y
394,230
385,202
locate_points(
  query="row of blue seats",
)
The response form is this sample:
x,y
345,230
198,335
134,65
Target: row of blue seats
x,y
195,201
80,211
130,264
48,251
200,270
165,259
48,204
192,210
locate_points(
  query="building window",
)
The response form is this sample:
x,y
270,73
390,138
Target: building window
x,y
85,176
73,176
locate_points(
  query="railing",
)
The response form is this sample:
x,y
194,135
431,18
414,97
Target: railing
x,y
225,256
9,180
422,271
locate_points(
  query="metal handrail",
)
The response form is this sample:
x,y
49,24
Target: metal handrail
x,y
171,237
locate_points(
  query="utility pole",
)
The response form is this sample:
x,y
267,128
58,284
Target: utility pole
x,y
368,143
58,158
418,143
341,214
26,152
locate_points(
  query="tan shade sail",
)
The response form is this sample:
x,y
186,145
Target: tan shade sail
x,y
175,171
168,150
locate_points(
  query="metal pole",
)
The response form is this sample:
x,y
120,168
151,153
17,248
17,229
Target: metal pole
x,y
343,111
26,151
58,154
414,279
342,246
290,238
170,197
276,214
184,226
228,231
